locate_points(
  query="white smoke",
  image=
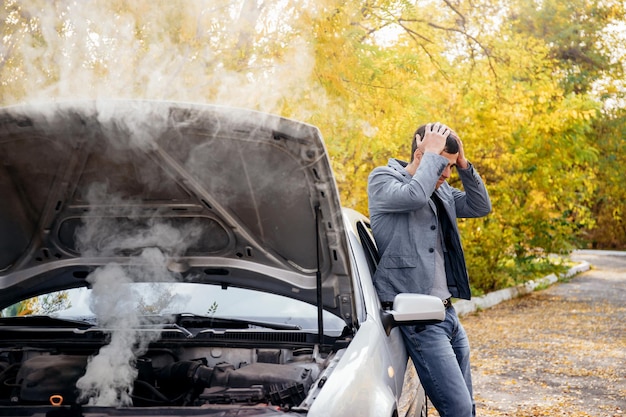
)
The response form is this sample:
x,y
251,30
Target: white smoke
x,y
111,373
129,299
191,50
133,314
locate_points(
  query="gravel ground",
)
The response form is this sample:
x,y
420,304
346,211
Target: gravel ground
x,y
560,351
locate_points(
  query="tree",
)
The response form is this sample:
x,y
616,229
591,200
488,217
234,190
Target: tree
x,y
575,32
608,207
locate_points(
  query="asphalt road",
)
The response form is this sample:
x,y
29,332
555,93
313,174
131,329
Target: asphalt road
x,y
560,351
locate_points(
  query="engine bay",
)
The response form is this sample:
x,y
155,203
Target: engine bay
x,y
168,377
150,364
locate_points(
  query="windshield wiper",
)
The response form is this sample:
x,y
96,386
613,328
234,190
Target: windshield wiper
x,y
193,320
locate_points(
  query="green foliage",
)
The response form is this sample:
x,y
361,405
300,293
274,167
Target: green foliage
x,y
608,203
574,32
535,90
212,309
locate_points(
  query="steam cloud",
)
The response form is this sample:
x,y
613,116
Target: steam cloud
x,y
178,50
110,375
120,307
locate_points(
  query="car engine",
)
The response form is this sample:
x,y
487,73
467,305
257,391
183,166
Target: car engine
x,y
195,376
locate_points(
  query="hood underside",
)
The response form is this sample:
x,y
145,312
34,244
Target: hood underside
x,y
215,189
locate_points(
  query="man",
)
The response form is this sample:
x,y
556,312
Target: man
x,y
413,212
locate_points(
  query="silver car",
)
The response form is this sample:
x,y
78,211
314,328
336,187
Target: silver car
x,y
177,259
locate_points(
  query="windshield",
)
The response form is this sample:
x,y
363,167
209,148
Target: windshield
x,y
168,299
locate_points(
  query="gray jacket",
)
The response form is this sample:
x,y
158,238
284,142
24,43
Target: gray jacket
x,y
405,224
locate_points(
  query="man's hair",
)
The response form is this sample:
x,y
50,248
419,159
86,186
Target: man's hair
x,y
452,144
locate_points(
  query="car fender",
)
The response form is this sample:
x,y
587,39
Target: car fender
x,y
363,382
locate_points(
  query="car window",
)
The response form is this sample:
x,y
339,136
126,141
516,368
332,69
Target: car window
x,y
181,298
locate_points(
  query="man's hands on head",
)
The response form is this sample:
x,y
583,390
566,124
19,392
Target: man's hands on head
x,y
434,139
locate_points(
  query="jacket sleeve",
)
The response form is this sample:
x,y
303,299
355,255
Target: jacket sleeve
x,y
474,201
389,192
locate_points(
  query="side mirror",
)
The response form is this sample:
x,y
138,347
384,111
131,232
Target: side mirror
x,y
413,309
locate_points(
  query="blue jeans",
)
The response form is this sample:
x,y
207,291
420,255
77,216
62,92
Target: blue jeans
x,y
441,355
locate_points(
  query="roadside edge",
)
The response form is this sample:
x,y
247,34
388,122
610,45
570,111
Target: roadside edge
x,y
464,307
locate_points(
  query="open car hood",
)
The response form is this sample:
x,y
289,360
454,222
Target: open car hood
x,y
229,196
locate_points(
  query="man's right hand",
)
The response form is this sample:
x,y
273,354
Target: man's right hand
x,y
434,138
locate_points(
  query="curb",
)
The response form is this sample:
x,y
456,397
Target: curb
x,y
599,252
464,307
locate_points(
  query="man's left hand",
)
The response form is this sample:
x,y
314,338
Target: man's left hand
x,y
461,162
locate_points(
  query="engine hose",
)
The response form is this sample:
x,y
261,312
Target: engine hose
x,y
153,390
5,375
188,372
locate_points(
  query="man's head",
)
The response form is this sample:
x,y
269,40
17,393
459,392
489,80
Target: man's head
x,y
450,152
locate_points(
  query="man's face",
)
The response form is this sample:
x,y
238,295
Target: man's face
x,y
451,157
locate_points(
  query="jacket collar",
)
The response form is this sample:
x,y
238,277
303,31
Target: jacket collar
x,y
399,166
